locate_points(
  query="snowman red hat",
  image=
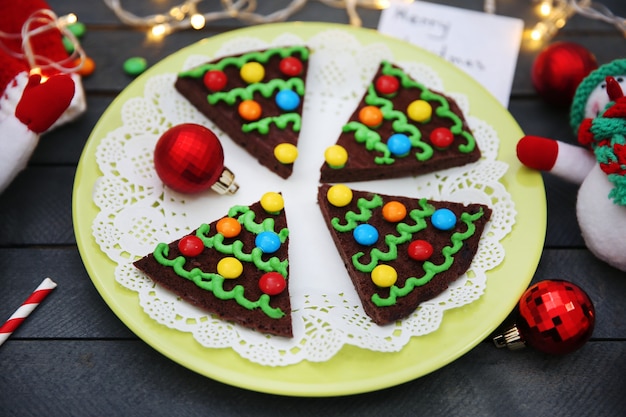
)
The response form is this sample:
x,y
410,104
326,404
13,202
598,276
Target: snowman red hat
x,y
39,87
598,117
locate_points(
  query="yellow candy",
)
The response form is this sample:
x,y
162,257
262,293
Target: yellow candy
x,y
384,276
286,153
229,267
419,111
272,202
336,156
339,195
252,72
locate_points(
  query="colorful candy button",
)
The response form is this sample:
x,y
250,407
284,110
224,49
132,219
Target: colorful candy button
x,y
420,250
250,110
88,66
394,211
135,65
339,195
228,226
370,116
384,276
272,283
286,153
399,144
267,241
443,219
441,137
365,234
290,66
68,45
215,80
272,202
387,84
252,72
230,267
190,245
287,100
78,29
336,156
420,111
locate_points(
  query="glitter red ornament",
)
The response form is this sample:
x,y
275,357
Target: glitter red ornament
x,y
189,158
555,317
558,70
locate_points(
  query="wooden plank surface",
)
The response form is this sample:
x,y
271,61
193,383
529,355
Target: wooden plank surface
x,y
74,357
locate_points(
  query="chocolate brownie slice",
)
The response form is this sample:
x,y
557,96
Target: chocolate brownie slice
x,y
236,267
400,251
256,98
400,128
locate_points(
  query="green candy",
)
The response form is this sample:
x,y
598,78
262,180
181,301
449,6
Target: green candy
x,y
78,29
135,65
68,45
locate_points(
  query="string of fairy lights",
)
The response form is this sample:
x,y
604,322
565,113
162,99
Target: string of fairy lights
x,y
553,14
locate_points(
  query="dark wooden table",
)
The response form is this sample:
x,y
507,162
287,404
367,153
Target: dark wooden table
x,y
74,357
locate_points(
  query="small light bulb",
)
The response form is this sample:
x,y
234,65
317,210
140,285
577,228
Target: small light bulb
x,y
545,8
539,31
197,21
159,31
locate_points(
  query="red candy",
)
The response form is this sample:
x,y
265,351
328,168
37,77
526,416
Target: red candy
x,y
215,80
420,250
441,137
290,66
272,283
387,84
191,245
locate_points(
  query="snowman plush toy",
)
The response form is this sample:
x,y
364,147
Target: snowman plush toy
x,y
598,118
39,86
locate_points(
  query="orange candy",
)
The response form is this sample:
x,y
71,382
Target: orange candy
x,y
249,110
371,116
89,66
228,226
394,211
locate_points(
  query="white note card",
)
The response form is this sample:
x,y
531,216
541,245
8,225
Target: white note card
x,y
484,45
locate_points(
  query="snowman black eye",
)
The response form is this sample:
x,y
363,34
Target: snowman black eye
x,y
620,79
603,86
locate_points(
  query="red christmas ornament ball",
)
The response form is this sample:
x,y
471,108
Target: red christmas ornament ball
x,y
189,158
558,70
555,317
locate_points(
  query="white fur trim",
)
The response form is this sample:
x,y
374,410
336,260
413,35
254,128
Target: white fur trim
x,y
17,144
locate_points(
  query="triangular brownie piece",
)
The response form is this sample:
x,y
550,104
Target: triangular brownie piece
x,y
400,128
256,98
236,267
400,251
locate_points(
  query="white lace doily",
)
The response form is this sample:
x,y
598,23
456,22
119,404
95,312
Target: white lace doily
x,y
136,211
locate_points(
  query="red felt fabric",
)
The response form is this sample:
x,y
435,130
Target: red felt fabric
x,y
43,103
537,152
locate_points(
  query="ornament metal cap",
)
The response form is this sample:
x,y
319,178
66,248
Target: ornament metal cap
x,y
511,338
226,183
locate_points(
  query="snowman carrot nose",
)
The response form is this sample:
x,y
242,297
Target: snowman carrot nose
x,y
613,88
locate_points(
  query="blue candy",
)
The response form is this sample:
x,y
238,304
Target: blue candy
x,y
287,100
268,242
365,234
443,219
399,144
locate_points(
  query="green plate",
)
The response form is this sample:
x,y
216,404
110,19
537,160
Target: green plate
x,y
351,370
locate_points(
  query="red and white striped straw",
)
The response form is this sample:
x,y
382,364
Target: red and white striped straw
x,y
26,308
